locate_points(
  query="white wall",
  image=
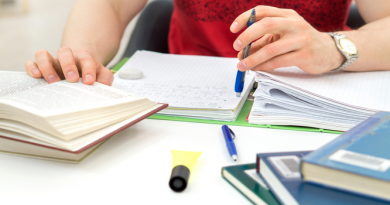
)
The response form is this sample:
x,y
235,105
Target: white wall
x,y
41,28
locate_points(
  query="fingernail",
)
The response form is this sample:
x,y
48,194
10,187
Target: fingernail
x,y
241,65
237,44
234,26
35,71
71,75
88,78
52,79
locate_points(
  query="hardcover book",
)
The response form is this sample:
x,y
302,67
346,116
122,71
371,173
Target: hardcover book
x,y
245,180
62,116
280,171
356,161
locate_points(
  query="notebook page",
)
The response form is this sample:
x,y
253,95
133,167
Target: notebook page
x,y
183,81
363,89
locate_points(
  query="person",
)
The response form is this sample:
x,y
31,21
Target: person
x,y
286,33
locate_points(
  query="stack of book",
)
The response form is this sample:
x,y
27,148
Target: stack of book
x,y
63,121
354,168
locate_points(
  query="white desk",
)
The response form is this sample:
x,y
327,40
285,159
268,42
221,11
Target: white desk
x,y
135,166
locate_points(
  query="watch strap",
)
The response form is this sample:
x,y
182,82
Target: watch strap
x,y
345,64
349,60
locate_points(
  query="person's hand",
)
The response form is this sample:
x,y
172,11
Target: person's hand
x,y
68,65
284,39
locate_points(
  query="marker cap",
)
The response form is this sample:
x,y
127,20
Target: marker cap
x,y
179,178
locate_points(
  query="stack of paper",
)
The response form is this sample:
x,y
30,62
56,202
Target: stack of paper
x,y
194,86
335,100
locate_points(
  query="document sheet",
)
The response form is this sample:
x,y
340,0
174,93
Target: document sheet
x,y
368,90
185,82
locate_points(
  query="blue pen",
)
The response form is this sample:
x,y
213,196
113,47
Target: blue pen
x,y
229,137
240,78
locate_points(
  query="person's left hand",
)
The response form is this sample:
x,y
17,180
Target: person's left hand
x,y
286,39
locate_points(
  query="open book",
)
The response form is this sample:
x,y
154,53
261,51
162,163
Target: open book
x,y
68,117
334,100
199,87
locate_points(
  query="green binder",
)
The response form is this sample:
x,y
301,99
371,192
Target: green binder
x,y
240,121
247,186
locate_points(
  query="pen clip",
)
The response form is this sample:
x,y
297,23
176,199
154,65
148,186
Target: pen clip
x,y
233,135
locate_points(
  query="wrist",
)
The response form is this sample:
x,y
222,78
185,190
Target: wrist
x,y
80,48
337,58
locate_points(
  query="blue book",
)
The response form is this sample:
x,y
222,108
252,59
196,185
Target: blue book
x,y
357,161
280,171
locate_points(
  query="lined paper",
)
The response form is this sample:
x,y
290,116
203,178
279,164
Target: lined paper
x,y
182,81
369,90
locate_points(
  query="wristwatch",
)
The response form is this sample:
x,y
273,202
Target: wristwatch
x,y
347,48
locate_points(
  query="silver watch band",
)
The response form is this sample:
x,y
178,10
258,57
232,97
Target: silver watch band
x,y
349,60
345,64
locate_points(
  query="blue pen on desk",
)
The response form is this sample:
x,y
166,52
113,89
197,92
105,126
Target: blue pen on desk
x,y
240,78
229,137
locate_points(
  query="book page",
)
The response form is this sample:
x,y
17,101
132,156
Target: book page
x,y
64,97
13,82
370,90
185,82
41,137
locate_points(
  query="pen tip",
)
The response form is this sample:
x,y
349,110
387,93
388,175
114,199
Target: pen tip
x,y
234,157
238,94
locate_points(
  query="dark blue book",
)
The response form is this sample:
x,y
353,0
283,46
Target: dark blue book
x,y
280,171
357,161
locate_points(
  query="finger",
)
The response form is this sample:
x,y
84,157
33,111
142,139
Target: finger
x,y
280,47
68,64
261,12
267,39
88,67
286,60
104,76
45,63
268,25
32,69
58,69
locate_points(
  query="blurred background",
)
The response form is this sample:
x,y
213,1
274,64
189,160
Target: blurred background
x,y
29,25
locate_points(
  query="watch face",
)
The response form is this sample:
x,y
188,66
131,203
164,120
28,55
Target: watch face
x,y
348,46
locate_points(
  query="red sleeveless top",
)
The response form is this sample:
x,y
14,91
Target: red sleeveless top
x,y
202,27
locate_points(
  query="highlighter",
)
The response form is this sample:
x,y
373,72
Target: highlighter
x,y
183,163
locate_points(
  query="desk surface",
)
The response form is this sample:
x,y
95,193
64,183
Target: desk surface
x,y
134,167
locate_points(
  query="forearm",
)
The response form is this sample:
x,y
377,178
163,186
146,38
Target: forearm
x,y
372,41
97,26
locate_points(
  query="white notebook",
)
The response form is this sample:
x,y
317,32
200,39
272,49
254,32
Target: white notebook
x,y
194,86
334,100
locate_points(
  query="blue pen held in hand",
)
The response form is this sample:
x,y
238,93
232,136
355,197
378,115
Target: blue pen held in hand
x,y
240,78
229,137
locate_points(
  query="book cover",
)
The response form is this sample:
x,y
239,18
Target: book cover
x,y
362,151
280,171
55,155
244,179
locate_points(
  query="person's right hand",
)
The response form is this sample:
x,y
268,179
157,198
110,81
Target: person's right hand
x,y
68,65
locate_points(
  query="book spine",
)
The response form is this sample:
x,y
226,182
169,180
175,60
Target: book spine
x,y
341,141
